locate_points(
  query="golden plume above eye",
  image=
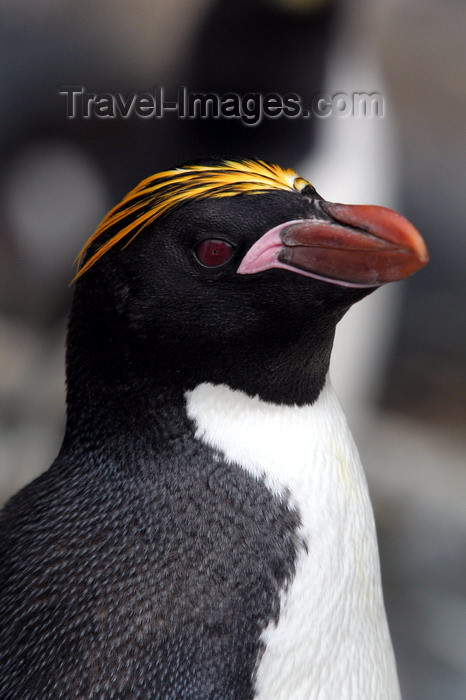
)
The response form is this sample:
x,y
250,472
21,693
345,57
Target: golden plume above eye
x,y
159,194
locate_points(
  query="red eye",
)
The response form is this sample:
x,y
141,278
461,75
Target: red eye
x,y
213,252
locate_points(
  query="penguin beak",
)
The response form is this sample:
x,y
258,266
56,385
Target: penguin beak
x,y
352,246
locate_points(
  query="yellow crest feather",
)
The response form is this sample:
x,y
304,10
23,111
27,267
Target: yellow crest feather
x,y
158,194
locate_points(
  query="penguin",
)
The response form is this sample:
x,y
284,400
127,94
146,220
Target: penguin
x,y
205,531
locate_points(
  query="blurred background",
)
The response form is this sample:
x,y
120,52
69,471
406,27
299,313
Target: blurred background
x,y
399,362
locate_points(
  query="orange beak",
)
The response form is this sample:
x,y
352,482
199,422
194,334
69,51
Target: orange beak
x,y
353,246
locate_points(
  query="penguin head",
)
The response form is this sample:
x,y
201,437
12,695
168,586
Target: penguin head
x,y
237,272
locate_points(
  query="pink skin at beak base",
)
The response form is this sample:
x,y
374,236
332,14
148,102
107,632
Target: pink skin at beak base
x,y
263,255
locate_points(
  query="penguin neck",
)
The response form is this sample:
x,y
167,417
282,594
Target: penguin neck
x,y
110,397
137,388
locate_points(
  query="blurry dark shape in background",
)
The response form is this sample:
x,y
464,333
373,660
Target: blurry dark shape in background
x,y
259,47
59,176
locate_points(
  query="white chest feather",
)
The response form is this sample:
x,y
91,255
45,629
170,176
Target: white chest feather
x,y
332,640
